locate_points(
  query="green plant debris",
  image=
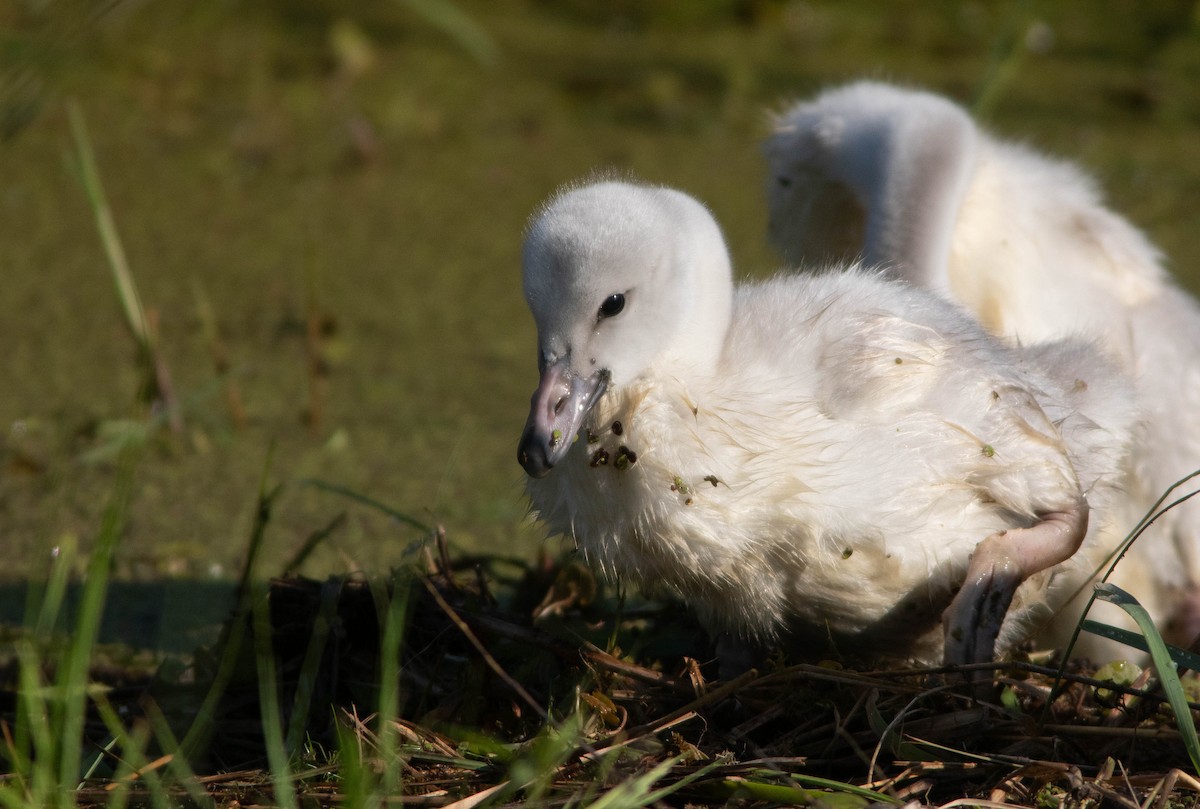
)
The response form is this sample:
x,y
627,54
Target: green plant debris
x,y
1163,664
625,458
1121,672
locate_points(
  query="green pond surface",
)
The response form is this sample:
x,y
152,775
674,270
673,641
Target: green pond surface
x,y
368,168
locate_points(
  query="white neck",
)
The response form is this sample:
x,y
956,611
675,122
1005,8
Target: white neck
x,y
706,298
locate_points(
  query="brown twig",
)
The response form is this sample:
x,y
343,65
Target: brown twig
x,y
157,764
219,353
674,717
591,654
453,615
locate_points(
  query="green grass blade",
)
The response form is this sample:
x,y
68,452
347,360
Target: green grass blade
x,y
35,753
398,516
133,745
131,302
98,757
1182,657
258,533
783,794
825,785
1163,665
310,667
54,595
311,544
12,798
1111,561
179,766
540,759
1007,58
157,383
839,786
198,735
889,737
32,745
459,26
234,637
268,700
636,792
72,679
353,772
395,619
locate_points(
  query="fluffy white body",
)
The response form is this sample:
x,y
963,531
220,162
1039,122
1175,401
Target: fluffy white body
x,y
907,181
821,456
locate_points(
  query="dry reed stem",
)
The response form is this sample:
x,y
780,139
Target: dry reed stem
x,y
129,778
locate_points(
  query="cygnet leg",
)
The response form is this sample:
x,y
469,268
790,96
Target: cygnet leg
x,y
998,566
1184,625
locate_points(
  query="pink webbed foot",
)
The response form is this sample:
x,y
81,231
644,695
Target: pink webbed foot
x,y
997,567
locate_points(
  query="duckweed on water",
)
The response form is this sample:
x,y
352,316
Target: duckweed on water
x,y
303,140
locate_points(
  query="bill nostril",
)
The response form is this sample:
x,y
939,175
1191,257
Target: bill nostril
x,y
558,406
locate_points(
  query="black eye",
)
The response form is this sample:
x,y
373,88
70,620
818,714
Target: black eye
x,y
612,305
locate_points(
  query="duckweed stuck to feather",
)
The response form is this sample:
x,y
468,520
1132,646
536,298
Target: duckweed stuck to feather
x,y
599,457
625,458
713,480
555,438
988,450
677,485
847,553
618,428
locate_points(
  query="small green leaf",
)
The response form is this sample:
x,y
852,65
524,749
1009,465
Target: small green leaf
x,y
1182,657
1163,665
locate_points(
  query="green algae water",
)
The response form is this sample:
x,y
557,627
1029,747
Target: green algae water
x,y
345,187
